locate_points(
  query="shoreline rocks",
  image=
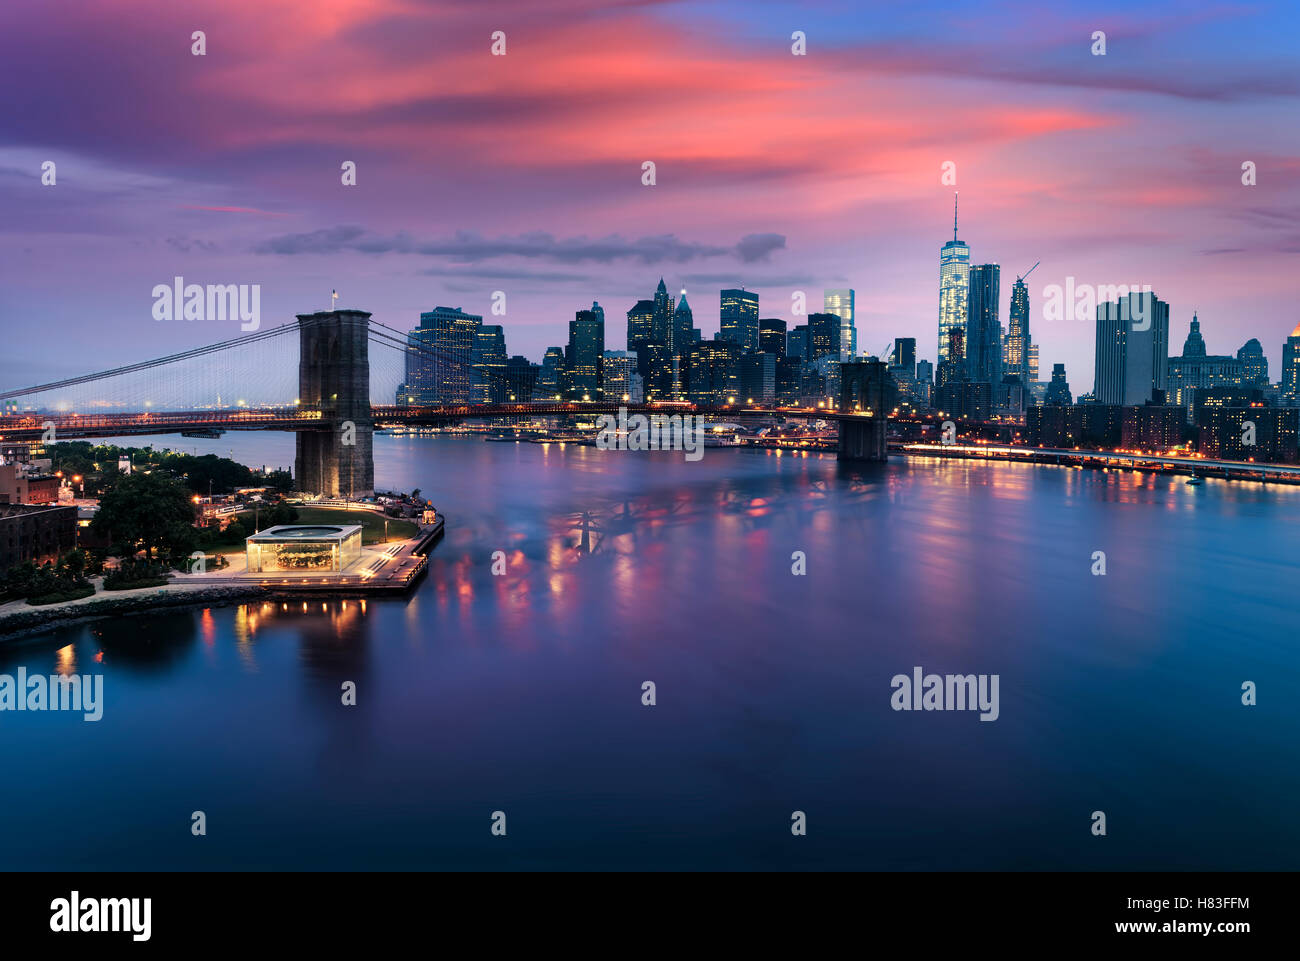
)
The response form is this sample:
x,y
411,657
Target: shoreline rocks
x,y
39,619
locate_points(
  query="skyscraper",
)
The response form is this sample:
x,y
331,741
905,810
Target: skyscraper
x,y
904,354
771,336
739,318
924,372
1132,353
681,340
841,304
1018,333
1254,365
681,333
758,378
418,386
824,337
796,342
521,378
550,379
640,324
619,366
583,356
662,318
712,372
983,330
954,286
1291,369
490,359
954,368
1058,391
655,364
440,356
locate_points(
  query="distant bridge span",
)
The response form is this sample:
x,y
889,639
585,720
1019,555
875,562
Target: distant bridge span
x,y
77,426
334,420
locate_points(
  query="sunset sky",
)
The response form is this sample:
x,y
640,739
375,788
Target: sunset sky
x,y
522,172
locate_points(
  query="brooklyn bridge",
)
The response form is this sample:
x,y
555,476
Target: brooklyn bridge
x,y
331,412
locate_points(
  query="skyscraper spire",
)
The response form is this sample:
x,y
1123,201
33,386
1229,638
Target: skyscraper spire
x,y
1194,346
954,285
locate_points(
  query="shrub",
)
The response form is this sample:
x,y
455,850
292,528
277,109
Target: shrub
x,y
134,574
71,592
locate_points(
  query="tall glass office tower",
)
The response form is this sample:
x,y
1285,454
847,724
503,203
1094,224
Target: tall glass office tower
x,y
1018,333
440,355
840,303
954,286
1291,368
983,330
739,318
582,358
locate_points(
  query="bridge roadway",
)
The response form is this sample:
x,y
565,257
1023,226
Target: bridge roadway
x,y
74,426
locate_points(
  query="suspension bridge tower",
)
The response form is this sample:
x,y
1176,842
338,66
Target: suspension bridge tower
x,y
866,389
334,375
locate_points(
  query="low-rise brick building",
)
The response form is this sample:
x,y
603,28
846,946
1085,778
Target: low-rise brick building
x,y
35,533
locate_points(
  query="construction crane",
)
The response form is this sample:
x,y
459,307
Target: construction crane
x,y
1021,278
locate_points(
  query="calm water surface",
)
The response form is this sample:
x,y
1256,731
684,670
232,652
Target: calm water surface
x,y
522,693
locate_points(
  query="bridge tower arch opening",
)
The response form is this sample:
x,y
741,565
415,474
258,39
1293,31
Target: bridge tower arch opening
x,y
336,460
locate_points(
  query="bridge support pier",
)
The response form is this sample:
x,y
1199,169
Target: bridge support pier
x,y
863,440
334,375
865,388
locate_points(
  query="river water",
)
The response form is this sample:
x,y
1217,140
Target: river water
x,y
522,693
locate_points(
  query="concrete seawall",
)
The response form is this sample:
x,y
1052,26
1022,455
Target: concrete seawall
x,y
35,620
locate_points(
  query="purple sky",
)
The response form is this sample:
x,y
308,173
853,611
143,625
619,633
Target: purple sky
x,y
522,173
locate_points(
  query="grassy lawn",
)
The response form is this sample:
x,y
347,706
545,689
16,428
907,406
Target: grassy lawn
x,y
372,525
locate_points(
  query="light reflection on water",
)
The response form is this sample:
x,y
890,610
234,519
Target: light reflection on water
x,y
522,692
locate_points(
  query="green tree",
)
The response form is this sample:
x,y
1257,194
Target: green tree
x,y
75,563
280,480
208,472
149,512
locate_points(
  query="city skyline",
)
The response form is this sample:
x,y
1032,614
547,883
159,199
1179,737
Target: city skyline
x,y
1279,373
236,178
457,437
